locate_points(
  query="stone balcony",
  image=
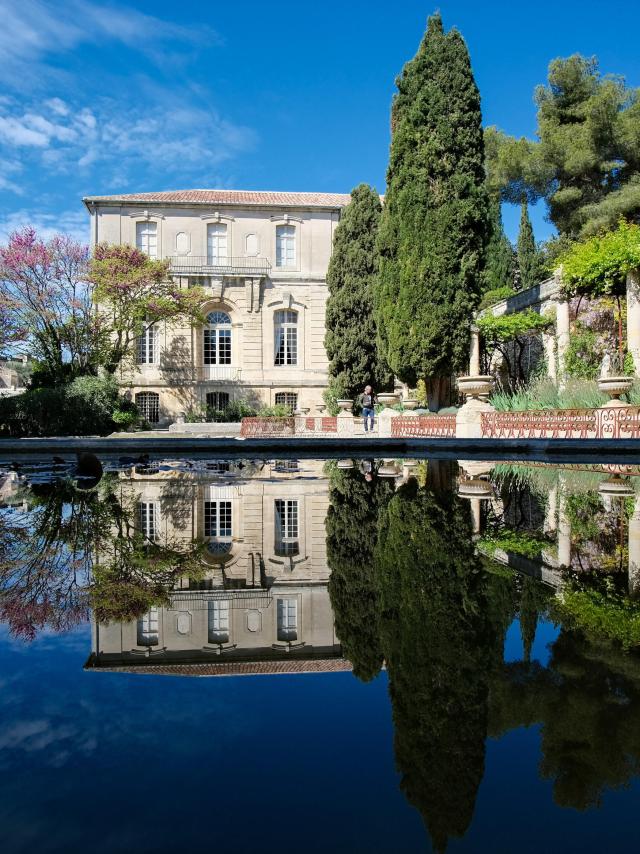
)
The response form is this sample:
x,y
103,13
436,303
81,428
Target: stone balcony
x,y
202,265
218,373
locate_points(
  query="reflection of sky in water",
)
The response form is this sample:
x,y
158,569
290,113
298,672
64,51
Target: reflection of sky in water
x,y
546,634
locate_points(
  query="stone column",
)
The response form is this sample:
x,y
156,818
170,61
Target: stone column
x,y
550,523
474,352
564,528
562,334
549,344
634,550
345,423
633,318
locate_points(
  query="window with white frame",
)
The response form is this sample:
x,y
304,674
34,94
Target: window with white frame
x,y
148,628
218,621
216,243
286,527
285,246
147,238
148,403
287,619
285,329
216,344
288,399
217,526
147,346
148,513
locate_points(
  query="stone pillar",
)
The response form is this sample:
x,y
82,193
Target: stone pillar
x,y
384,422
562,334
476,515
346,427
633,318
550,522
549,344
634,550
474,352
564,528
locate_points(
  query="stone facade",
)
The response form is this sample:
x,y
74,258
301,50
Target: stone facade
x,y
262,259
264,596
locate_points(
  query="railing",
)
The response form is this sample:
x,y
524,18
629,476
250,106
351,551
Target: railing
x,y
263,428
434,426
218,373
201,265
315,425
606,423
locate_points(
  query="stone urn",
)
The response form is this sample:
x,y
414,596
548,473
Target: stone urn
x,y
616,486
615,386
344,464
387,398
475,488
302,410
388,469
476,387
320,407
410,403
345,405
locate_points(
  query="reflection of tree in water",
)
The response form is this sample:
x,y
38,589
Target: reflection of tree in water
x,y
352,532
588,705
439,644
72,549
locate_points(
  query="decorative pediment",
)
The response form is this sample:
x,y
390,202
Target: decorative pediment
x,y
145,214
216,217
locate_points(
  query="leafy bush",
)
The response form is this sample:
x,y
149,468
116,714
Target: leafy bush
x,y
602,614
280,410
517,542
509,326
495,295
85,406
335,391
235,411
584,353
599,266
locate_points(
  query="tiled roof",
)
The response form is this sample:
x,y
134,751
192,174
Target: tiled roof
x,y
235,668
233,197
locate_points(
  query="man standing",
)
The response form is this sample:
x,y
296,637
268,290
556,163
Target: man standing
x,y
368,401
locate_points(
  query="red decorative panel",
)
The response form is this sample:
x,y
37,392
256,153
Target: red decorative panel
x,y
416,426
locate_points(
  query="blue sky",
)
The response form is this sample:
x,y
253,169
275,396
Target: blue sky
x,y
105,97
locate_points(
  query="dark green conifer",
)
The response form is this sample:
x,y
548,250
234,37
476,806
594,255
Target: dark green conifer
x,y
529,263
499,266
434,224
350,339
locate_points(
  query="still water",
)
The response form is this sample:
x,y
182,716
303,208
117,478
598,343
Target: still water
x,y
346,656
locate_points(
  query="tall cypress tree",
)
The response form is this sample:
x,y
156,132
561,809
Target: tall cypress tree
x,y
529,263
350,340
499,262
434,223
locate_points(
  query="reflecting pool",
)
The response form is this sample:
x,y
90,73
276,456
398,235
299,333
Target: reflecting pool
x,y
418,655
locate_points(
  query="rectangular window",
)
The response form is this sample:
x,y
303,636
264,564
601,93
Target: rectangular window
x,y
216,243
285,327
217,346
217,518
147,238
146,347
218,621
285,246
148,628
286,527
287,398
148,519
287,619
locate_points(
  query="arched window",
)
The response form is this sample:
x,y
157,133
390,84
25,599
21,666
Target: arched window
x,y
147,238
217,339
216,243
285,337
148,403
285,246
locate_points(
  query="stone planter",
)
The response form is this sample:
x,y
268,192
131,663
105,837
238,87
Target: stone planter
x,y
616,487
615,386
387,398
388,470
410,403
303,410
477,388
475,488
321,408
345,405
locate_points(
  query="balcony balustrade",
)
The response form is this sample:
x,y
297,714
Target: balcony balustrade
x,y
202,265
219,373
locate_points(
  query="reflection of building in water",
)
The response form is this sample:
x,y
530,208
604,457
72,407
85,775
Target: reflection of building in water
x,y
263,605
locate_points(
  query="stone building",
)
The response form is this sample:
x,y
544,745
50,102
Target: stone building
x,y
262,259
263,605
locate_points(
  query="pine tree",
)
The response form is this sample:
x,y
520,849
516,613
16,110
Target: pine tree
x,y
529,263
434,223
499,266
350,340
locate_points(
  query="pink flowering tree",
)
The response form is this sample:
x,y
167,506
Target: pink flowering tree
x,y
46,306
134,292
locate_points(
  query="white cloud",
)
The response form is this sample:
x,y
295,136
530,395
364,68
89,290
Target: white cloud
x,y
74,223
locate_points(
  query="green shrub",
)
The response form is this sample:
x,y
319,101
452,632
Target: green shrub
x,y
516,542
601,614
335,391
495,295
279,410
584,353
235,411
542,393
